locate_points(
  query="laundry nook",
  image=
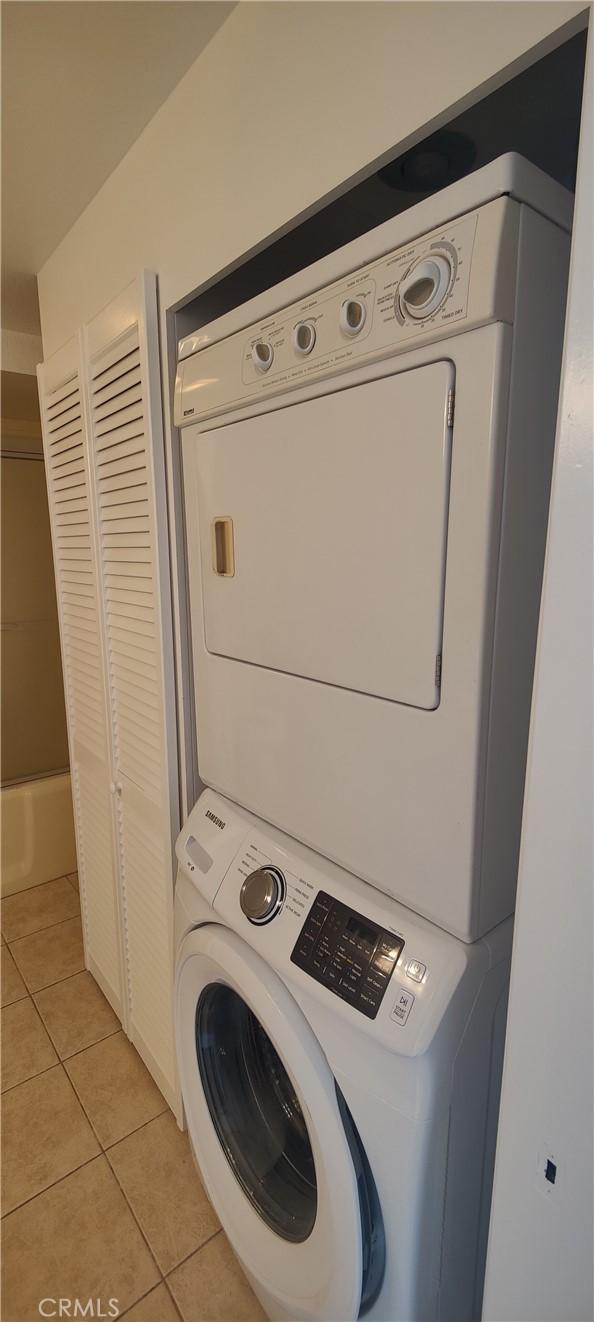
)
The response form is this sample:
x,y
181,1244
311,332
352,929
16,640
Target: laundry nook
x,y
297,737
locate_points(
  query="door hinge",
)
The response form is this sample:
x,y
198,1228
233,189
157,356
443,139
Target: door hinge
x,y
438,670
450,409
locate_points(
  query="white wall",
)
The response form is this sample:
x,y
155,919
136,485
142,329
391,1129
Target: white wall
x,y
540,1266
20,352
286,102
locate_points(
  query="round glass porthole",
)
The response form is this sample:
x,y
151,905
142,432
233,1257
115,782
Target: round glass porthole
x,y
256,1113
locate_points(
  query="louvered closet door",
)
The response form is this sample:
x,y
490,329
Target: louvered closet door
x,y
66,461
125,420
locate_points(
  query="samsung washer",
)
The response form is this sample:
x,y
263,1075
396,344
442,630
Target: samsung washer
x,y
340,1061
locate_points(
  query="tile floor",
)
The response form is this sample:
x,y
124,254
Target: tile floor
x,y
100,1197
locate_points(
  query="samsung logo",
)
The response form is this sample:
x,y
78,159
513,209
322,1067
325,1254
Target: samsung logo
x,y
217,821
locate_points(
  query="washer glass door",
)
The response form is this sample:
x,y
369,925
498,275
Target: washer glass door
x,y
272,1140
256,1112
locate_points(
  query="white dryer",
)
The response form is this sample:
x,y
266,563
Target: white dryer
x,y
367,456
340,1060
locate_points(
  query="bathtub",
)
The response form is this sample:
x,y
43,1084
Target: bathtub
x,y
37,832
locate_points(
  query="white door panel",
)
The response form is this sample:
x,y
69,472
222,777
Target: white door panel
x,y
336,515
65,443
122,367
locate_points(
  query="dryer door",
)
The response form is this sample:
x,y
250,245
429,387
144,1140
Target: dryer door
x,y
267,1130
323,535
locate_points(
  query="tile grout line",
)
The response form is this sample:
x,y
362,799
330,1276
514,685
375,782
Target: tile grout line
x,y
198,1249
33,991
138,1128
133,1214
52,1045
10,941
79,1050
47,1187
30,1077
174,1301
163,1281
104,1149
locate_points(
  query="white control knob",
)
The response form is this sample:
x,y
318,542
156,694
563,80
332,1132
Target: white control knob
x,y
262,355
353,314
424,287
304,338
262,894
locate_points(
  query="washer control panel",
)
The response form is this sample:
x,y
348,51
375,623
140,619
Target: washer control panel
x,y
347,953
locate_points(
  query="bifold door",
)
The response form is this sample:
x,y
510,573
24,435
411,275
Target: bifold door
x,y
75,563
323,535
125,424
108,505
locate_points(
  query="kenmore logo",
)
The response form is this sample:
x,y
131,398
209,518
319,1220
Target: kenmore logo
x,y
217,821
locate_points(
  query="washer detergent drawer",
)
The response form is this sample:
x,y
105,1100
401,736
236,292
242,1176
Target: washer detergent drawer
x,y
323,536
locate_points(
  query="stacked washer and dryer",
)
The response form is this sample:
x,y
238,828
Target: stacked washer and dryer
x,y
367,454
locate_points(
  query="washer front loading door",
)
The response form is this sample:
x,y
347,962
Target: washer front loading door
x,y
267,1130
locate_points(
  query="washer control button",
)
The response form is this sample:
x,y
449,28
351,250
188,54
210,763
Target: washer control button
x,y
262,894
416,970
353,314
403,1006
304,338
262,355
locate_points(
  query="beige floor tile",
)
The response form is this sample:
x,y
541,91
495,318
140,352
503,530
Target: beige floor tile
x,y
76,1240
76,1014
13,987
49,956
45,1135
42,906
155,1169
115,1088
73,879
211,1287
157,1306
26,1047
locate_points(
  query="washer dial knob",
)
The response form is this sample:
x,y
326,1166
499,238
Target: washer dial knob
x,y
425,286
262,355
262,894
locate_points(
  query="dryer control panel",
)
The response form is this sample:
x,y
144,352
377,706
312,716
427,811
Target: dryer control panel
x,y
347,953
416,293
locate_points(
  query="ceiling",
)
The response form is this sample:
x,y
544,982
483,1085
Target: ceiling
x,y
80,80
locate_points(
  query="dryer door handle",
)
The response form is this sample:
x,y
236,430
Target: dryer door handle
x,y
223,550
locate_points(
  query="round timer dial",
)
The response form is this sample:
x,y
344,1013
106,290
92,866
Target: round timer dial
x,y
425,286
